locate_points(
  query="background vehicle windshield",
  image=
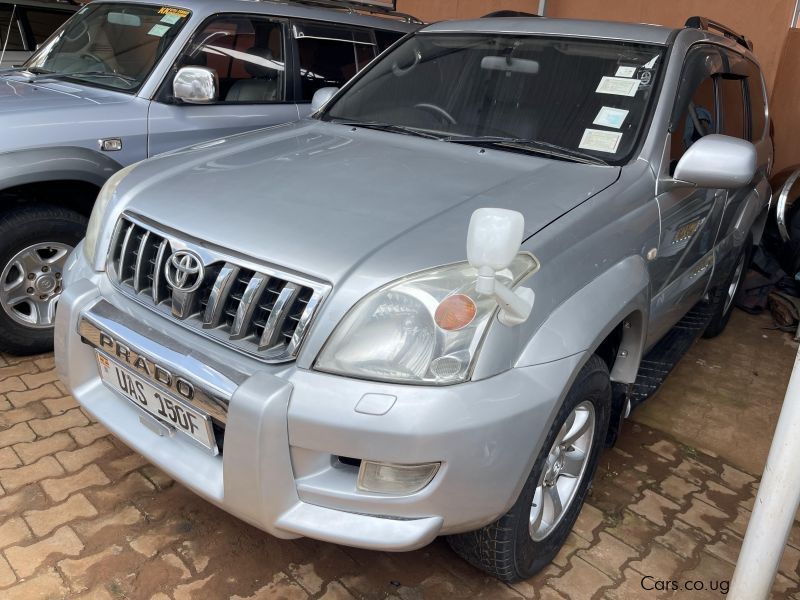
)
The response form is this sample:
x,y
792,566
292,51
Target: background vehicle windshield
x,y
110,45
587,96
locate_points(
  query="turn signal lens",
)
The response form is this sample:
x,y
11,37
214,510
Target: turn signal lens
x,y
389,478
455,312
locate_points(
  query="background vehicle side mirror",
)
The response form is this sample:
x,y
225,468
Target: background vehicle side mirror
x,y
322,96
717,161
494,240
196,85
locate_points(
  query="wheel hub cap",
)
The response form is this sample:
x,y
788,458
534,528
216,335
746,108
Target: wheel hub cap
x,y
563,471
30,284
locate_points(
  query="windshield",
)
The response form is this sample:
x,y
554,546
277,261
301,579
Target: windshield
x,y
579,97
110,45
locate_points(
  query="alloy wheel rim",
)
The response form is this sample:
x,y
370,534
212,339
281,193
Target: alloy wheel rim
x,y
31,284
563,471
733,288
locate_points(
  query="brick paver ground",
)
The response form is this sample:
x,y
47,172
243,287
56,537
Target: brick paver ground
x,y
83,517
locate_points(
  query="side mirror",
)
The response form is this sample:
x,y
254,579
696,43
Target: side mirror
x,y
494,239
718,161
322,96
196,85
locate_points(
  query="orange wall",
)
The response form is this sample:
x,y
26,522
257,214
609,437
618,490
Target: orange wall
x,y
784,104
766,22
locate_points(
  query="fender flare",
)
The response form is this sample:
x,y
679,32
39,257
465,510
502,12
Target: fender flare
x,y
620,295
55,164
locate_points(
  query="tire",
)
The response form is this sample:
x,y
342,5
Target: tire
x,y
35,242
506,548
723,298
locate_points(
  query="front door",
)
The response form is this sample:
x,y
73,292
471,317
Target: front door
x,y
248,53
690,217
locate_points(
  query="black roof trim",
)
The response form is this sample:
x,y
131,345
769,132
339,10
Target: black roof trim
x,y
709,25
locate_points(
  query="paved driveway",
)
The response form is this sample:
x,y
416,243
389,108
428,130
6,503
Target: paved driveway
x,y
83,517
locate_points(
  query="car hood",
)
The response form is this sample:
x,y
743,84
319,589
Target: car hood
x,y
18,95
332,201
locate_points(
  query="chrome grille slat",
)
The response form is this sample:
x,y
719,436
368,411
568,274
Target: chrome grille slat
x,y
257,310
159,283
219,294
140,272
243,322
277,316
125,254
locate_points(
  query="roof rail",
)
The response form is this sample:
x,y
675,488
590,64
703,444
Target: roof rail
x,y
508,13
380,7
709,25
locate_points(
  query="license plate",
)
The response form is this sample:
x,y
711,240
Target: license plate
x,y
163,406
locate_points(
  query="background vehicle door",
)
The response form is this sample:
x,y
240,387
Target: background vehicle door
x,y
250,55
690,217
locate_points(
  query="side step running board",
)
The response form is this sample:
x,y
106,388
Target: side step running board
x,y
665,355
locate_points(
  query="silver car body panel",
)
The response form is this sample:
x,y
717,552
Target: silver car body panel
x,y
609,240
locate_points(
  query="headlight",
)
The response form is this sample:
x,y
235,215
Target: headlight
x,y
426,328
99,211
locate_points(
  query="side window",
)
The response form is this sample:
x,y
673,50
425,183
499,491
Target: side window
x,y
386,38
247,54
734,116
43,23
757,103
10,34
695,113
329,55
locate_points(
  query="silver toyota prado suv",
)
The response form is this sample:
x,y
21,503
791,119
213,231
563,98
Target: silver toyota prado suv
x,y
426,309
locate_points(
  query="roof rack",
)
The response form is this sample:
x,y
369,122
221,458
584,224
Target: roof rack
x,y
709,25
508,13
381,7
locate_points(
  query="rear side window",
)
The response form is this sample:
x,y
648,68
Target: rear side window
x,y
44,22
10,34
734,115
330,55
758,106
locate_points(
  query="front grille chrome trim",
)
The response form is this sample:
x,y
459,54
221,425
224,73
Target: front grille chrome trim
x,y
278,316
221,289
255,309
243,321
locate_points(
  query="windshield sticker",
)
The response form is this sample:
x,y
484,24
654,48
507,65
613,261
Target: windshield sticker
x,y
618,86
610,117
625,72
158,30
645,77
171,19
181,13
651,63
601,141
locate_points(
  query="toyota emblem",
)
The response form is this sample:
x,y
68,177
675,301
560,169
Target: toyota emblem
x,y
185,271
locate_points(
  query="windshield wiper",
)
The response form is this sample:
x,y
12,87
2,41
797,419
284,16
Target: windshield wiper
x,y
389,127
528,145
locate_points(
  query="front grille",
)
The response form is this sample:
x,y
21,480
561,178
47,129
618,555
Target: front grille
x,y
253,309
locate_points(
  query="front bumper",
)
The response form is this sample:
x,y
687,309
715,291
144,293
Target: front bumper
x,y
285,428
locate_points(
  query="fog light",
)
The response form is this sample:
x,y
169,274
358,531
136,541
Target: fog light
x,y
388,478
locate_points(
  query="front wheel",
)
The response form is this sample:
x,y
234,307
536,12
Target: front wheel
x,y
527,538
35,242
